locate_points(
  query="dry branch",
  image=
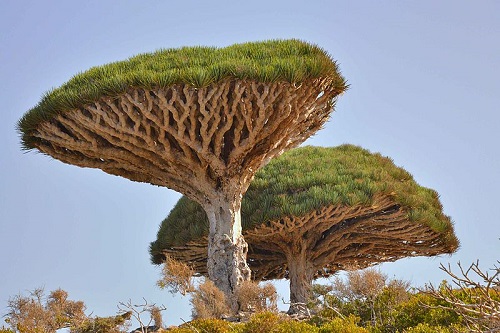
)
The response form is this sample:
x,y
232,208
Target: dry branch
x,y
474,294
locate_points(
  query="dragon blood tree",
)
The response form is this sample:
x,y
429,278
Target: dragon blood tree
x,y
315,211
198,120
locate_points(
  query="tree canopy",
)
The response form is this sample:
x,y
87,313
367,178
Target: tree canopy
x,y
186,117
198,120
315,211
292,61
305,180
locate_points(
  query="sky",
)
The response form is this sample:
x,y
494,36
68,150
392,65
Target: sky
x,y
424,90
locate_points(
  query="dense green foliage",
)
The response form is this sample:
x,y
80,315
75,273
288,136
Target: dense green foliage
x,y
412,313
268,322
207,325
308,178
397,309
426,328
269,61
339,325
394,308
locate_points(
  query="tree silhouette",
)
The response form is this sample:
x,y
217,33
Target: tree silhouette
x,y
315,211
198,120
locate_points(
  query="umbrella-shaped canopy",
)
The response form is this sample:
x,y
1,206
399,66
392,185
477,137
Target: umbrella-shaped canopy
x,y
314,211
199,120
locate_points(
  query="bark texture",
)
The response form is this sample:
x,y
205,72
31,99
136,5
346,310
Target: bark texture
x,y
206,143
301,275
227,249
193,140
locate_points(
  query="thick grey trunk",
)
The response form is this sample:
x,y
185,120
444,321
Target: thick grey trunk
x,y
227,250
301,274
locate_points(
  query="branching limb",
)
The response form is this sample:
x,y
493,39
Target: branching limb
x,y
474,294
137,310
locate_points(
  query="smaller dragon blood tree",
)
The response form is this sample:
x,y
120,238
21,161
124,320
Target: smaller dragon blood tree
x,y
315,211
198,120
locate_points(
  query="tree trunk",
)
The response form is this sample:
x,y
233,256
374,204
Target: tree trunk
x,y
227,249
301,274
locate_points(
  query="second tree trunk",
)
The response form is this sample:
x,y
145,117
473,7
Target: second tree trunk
x,y
301,274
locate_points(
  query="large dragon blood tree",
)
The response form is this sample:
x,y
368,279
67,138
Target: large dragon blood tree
x,y
198,120
314,211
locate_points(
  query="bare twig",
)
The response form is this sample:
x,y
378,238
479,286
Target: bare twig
x,y
474,294
137,310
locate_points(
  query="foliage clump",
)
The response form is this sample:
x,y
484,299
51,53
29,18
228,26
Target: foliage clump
x,y
207,325
208,301
269,322
306,179
37,313
176,276
391,306
426,328
255,298
339,325
291,61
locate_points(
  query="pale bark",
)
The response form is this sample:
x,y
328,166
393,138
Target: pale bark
x,y
227,249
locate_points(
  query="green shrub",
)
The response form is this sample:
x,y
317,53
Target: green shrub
x,y
292,326
414,312
265,322
208,325
339,325
268,322
426,328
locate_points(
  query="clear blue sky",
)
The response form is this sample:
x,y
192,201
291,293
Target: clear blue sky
x,y
425,90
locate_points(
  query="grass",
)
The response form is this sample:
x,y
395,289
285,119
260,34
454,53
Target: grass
x,y
269,61
309,178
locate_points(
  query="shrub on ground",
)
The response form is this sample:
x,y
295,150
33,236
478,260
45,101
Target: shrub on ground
x,y
339,325
254,298
208,301
426,328
264,322
208,325
292,326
